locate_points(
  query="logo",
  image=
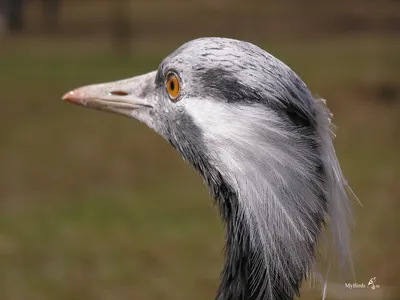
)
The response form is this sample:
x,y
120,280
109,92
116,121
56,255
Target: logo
x,y
355,285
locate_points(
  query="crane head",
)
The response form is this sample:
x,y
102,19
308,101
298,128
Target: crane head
x,y
250,126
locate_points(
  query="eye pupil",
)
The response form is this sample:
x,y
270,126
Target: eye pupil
x,y
172,85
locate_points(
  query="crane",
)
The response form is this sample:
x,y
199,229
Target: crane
x,y
263,145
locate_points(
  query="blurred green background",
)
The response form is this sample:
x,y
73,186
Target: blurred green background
x,y
95,206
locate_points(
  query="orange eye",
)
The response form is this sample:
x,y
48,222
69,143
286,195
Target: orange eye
x,y
172,86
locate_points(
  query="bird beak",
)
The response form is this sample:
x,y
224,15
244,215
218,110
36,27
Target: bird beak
x,y
120,97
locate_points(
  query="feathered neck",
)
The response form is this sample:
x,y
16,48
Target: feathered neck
x,y
251,270
275,185
258,265
246,274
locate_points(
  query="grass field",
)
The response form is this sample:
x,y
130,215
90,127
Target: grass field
x,y
95,206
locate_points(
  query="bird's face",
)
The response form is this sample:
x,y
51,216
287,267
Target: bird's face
x,y
186,81
212,97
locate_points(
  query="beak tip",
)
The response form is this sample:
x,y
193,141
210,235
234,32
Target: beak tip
x,y
71,97
68,96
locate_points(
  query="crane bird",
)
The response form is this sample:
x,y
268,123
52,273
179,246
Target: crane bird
x,y
263,145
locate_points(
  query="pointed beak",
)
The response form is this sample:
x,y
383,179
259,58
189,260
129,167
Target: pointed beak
x,y
120,97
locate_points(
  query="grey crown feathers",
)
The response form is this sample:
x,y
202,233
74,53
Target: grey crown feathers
x,y
263,145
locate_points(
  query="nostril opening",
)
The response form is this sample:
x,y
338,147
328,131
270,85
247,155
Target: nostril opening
x,y
119,93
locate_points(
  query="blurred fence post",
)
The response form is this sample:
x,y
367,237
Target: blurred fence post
x,y
121,26
14,14
2,16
